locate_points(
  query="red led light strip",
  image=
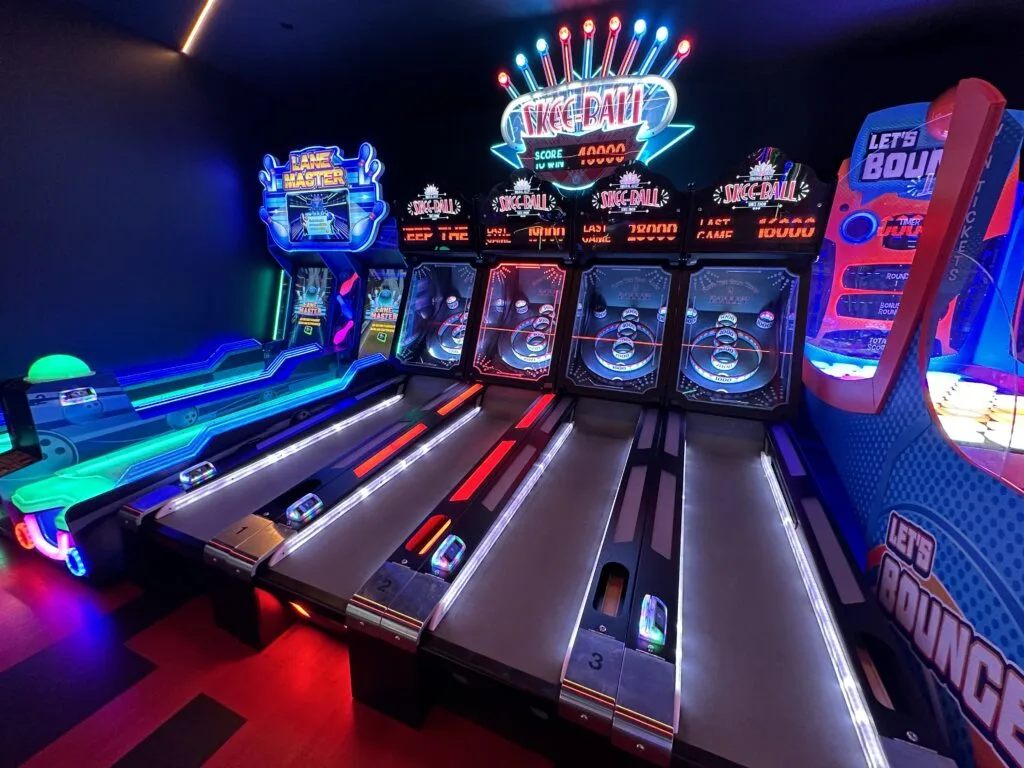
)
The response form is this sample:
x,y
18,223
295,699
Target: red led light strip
x,y
424,532
535,411
473,482
458,400
433,539
390,449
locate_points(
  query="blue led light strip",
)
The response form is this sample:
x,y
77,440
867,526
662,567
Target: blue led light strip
x,y
192,449
163,400
196,366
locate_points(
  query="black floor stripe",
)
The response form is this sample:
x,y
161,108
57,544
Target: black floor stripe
x,y
52,691
189,738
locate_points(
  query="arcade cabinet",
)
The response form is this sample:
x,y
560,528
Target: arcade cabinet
x,y
769,636
524,232
67,514
871,238
238,529
611,492
676,518
376,488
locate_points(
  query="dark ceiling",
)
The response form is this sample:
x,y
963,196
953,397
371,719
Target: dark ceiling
x,y
316,45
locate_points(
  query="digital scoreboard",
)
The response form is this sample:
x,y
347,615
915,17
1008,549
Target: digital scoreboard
x,y
524,214
596,152
435,220
770,204
631,211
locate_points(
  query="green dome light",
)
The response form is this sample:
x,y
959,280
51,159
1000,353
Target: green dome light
x,y
55,368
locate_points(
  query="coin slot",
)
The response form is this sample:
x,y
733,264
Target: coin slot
x,y
882,671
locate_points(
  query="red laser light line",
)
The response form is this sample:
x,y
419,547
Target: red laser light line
x,y
476,479
535,411
390,449
458,400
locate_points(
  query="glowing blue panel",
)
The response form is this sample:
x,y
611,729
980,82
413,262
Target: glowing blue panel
x,y
321,201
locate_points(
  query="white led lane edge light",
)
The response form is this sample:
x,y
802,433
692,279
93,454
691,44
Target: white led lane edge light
x,y
679,594
593,571
511,508
179,502
864,724
293,543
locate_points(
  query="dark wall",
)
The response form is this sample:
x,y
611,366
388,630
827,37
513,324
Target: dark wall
x,y
808,100
129,192
128,197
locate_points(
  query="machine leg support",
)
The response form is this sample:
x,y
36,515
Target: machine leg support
x,y
253,615
388,679
148,565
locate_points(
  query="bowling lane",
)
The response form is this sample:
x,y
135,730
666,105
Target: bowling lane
x,y
520,608
207,517
340,558
758,687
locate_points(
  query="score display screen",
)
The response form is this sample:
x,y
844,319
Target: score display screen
x,y
384,289
524,214
313,288
435,220
770,204
631,211
592,152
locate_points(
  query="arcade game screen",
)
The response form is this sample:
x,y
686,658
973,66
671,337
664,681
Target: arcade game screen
x,y
318,216
311,294
384,289
619,326
738,336
434,325
521,308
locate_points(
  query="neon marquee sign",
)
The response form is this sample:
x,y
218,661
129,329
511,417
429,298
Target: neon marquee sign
x,y
321,201
629,194
771,182
580,128
523,200
432,205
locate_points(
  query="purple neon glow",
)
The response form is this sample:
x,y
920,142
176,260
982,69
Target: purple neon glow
x,y
43,545
342,332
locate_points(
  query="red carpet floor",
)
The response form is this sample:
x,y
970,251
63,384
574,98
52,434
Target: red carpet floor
x,y
119,677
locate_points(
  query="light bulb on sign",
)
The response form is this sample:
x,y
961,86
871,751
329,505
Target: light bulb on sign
x,y
682,51
588,47
524,67
506,82
565,36
609,46
545,60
